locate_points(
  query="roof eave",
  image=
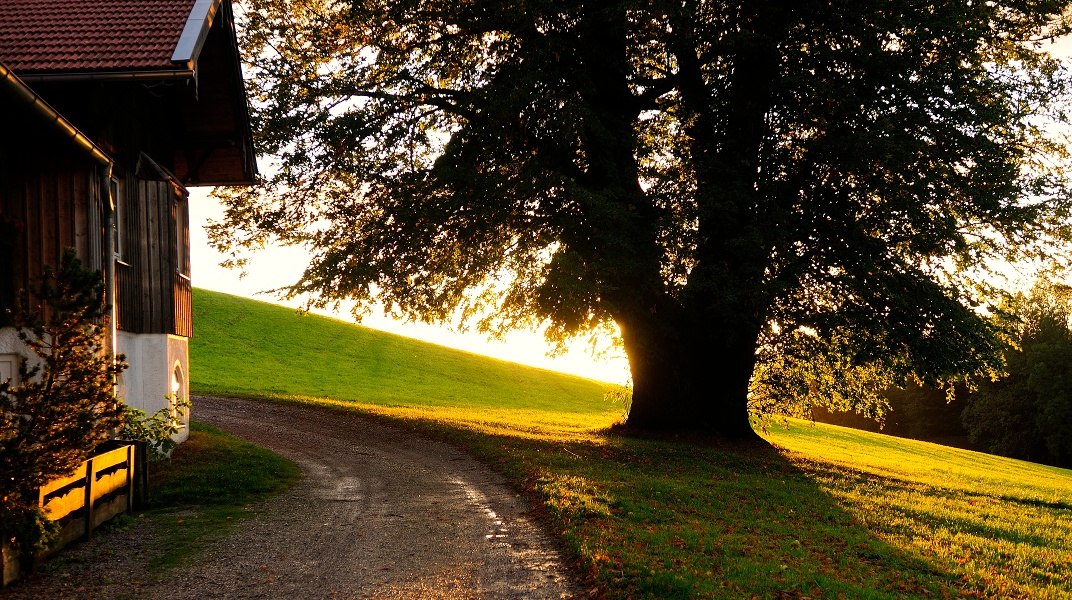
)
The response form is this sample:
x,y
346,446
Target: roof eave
x,y
13,83
194,32
42,77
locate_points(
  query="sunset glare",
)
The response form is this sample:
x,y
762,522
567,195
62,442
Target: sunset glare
x,y
277,266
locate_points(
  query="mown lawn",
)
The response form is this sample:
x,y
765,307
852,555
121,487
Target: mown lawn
x,y
821,512
206,487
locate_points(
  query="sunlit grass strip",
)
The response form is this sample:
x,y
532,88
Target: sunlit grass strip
x,y
1000,525
926,463
505,422
208,486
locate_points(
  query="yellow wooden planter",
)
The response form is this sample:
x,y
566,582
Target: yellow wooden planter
x,y
100,489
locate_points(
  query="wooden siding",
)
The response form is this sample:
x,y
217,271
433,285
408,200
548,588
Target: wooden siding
x,y
184,313
152,271
50,199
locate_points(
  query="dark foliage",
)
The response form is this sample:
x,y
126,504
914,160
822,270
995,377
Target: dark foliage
x,y
917,412
720,180
64,403
1028,413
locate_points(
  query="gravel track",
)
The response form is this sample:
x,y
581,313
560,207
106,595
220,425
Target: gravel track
x,y
379,513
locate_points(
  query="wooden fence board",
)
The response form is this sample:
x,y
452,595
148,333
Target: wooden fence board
x,y
112,458
63,496
59,507
102,489
9,564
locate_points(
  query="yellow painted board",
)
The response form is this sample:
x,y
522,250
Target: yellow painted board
x,y
56,484
109,483
61,506
110,459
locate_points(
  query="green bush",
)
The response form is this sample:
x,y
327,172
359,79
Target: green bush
x,y
155,429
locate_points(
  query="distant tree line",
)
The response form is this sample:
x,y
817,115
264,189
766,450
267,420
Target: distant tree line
x,y
917,412
1026,413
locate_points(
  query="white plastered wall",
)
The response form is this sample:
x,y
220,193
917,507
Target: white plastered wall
x,y
159,363
11,350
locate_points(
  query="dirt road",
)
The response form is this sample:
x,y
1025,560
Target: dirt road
x,y
379,513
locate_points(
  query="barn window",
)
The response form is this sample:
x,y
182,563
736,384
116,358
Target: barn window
x,y
117,222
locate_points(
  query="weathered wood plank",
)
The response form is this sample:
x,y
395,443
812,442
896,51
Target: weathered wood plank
x,y
9,564
152,297
107,460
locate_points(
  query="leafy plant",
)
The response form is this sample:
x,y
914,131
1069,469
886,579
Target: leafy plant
x,y
156,429
621,395
63,404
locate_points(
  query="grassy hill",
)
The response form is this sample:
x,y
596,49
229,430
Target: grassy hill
x,y
250,348
823,512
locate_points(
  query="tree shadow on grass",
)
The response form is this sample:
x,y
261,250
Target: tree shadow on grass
x,y
657,519
649,518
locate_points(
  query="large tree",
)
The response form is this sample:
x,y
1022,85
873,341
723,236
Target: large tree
x,y
721,180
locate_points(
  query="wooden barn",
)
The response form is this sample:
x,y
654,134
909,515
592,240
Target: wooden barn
x,y
110,110
53,187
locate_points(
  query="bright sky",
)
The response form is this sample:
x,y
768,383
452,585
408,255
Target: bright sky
x,y
275,267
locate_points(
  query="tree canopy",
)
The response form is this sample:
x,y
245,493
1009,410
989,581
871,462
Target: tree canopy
x,y
725,182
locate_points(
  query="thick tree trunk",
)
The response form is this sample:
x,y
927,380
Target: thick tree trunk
x,y
691,354
692,364
690,377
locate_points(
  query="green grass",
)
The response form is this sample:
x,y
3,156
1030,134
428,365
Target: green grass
x,y
207,487
822,512
249,348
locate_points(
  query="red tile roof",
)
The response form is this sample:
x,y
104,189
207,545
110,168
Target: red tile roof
x,y
50,36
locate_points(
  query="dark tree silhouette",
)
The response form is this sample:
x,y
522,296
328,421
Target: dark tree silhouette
x,y
714,178
1028,413
63,404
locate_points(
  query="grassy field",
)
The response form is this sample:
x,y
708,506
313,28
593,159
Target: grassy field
x,y
249,348
822,512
